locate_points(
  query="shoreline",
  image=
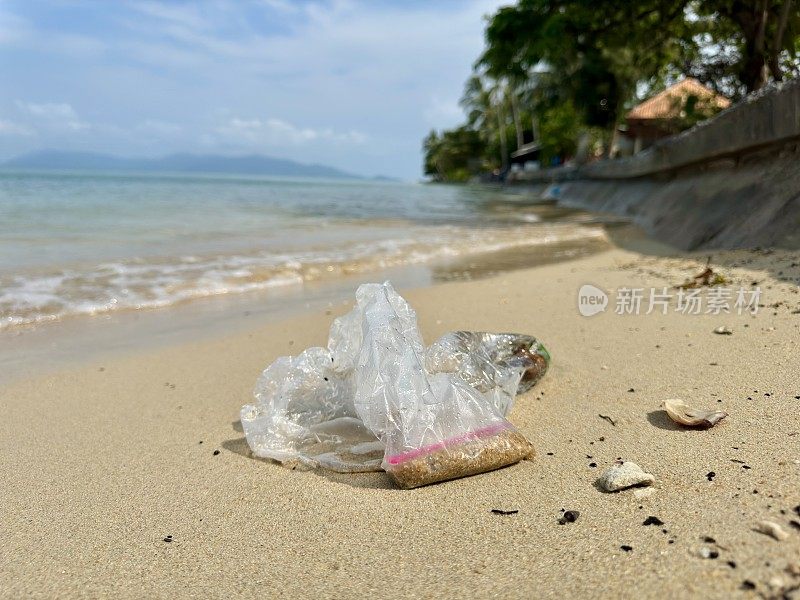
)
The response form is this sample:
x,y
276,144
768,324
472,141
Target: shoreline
x,y
163,245
104,462
34,348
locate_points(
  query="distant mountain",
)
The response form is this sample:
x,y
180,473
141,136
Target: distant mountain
x,y
187,163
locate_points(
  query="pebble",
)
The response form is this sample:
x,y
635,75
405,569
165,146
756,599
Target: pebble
x,y
651,520
723,330
624,474
776,584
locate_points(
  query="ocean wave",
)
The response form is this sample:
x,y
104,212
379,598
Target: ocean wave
x,y
27,298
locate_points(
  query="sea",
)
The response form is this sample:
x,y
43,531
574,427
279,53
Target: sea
x,y
82,244
98,265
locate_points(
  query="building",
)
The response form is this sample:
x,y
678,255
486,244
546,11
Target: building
x,y
678,107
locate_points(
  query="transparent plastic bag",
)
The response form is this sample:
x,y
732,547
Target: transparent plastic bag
x,y
503,364
376,398
304,416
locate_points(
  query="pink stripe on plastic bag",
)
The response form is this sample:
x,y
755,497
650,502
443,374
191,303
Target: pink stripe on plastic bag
x,y
472,435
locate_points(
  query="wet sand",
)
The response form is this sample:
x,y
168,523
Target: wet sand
x,y
36,349
130,477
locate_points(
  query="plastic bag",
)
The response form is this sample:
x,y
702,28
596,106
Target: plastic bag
x,y
508,363
376,398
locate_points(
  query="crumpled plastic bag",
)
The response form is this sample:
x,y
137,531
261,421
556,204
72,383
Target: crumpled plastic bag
x,y
376,398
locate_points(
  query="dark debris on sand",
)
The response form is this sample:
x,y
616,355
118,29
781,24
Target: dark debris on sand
x,y
569,516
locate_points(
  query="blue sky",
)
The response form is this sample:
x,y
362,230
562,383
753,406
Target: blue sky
x,y
352,84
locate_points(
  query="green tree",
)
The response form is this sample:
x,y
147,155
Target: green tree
x,y
454,155
572,67
560,129
596,52
485,101
737,46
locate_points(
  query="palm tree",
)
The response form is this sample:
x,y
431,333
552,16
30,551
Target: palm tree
x,y
513,91
485,102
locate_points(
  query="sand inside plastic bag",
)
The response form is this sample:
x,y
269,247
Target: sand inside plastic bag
x,y
468,455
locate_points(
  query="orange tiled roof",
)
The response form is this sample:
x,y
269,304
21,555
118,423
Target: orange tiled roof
x,y
667,104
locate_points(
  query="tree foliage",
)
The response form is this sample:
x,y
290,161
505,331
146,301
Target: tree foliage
x,y
453,155
737,46
596,51
562,68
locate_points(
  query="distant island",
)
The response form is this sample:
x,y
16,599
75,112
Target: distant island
x,y
253,164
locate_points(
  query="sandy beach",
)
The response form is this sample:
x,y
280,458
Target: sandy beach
x,y
131,477
595,203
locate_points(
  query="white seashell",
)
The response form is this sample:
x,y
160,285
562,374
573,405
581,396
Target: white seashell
x,y
682,413
723,330
623,475
772,529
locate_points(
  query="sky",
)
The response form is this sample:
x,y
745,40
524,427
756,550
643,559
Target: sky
x,y
351,84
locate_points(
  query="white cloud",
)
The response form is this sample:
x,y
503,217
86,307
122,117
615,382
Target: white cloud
x,y
12,27
54,114
276,132
48,110
17,31
353,83
9,128
185,14
284,6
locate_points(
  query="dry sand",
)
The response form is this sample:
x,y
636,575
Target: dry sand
x,y
102,463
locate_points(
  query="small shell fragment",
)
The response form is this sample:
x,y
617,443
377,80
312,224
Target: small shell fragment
x,y
777,585
706,552
624,474
683,414
723,330
771,529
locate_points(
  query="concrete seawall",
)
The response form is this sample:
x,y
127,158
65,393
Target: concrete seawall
x,y
733,181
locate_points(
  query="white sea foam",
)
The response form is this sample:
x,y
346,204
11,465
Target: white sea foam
x,y
141,283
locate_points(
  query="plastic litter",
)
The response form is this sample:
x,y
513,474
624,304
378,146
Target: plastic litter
x,y
376,398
